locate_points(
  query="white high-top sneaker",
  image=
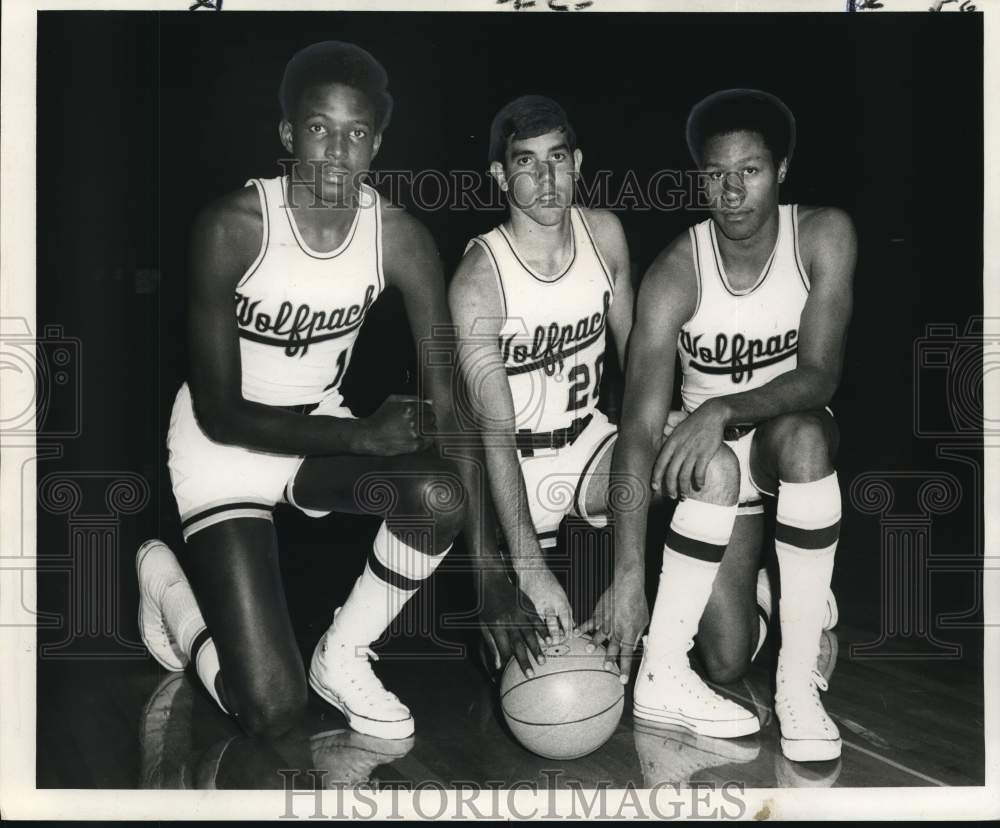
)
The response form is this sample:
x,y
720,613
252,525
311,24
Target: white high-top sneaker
x,y
341,673
832,611
765,601
668,691
808,734
158,571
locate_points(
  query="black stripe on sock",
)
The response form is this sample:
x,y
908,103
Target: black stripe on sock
x,y
701,550
200,640
383,573
807,538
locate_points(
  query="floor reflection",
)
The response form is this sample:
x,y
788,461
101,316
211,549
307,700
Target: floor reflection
x,y
676,756
185,743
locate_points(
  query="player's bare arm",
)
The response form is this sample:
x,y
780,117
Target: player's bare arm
x,y
621,613
828,246
227,237
477,310
667,299
611,242
413,266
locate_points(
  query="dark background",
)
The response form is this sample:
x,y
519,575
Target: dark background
x,y
143,118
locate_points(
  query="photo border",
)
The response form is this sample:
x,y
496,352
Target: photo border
x,y
18,796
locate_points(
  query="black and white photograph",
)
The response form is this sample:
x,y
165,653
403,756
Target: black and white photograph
x,y
499,410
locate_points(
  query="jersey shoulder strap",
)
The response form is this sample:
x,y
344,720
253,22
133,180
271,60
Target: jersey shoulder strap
x,y
266,221
483,241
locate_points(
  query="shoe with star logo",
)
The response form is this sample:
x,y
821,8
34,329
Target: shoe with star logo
x,y
668,691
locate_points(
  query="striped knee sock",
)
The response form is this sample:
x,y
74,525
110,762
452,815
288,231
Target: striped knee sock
x,y
183,618
696,541
806,536
394,572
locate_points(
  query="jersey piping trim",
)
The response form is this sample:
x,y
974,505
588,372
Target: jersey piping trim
x,y
262,195
301,242
484,243
697,268
578,501
795,244
550,280
378,242
722,272
597,250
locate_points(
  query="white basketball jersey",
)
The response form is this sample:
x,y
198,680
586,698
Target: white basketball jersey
x,y
738,340
553,337
299,311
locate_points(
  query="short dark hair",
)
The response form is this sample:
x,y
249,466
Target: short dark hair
x,y
527,117
333,61
739,110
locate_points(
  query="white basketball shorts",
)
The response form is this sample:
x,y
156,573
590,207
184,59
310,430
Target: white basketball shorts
x,y
750,499
557,480
213,482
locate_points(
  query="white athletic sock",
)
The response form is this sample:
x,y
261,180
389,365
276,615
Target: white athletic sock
x,y
206,665
184,620
806,537
696,541
393,573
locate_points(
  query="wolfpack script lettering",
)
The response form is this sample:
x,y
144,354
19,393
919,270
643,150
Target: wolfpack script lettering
x,y
296,327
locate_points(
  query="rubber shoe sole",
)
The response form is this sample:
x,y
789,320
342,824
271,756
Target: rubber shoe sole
x,y
810,750
726,729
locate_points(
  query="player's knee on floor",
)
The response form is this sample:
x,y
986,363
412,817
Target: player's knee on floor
x,y
803,447
722,479
272,712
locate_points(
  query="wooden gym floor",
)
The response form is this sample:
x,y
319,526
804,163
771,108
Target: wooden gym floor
x,y
125,723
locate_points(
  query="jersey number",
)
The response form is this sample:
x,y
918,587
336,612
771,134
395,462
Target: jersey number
x,y
579,390
341,365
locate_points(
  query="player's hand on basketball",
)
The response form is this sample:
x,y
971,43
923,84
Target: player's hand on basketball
x,y
509,625
683,459
549,600
401,425
618,621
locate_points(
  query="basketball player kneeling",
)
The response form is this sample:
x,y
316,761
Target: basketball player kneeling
x,y
756,300
533,300
261,419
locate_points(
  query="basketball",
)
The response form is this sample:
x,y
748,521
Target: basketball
x,y
569,708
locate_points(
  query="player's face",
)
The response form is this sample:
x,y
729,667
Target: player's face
x,y
742,182
540,175
333,138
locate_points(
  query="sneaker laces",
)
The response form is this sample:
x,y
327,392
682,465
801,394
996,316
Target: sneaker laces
x,y
360,675
813,682
688,679
804,693
817,680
